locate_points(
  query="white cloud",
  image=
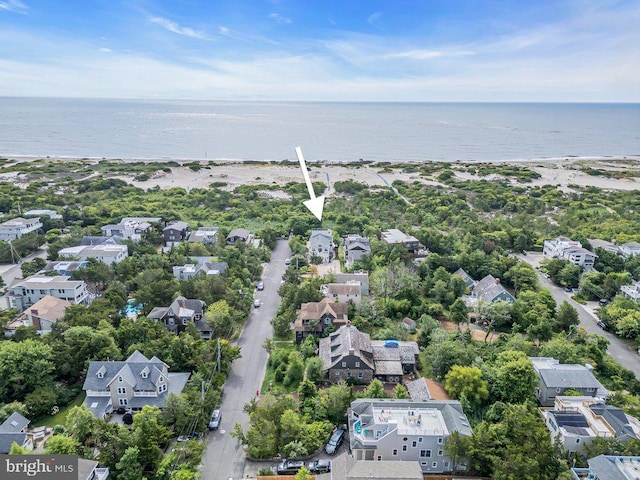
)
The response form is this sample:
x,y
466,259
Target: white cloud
x,y
13,6
175,28
279,18
374,19
105,50
427,54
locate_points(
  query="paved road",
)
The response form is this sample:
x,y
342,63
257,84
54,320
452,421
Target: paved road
x,y
10,272
623,353
224,456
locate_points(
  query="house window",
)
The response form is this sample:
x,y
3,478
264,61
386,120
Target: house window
x,y
395,451
414,444
558,390
440,440
120,379
357,364
440,453
379,458
162,380
446,465
434,465
405,439
419,439
100,375
348,374
425,453
122,390
123,402
359,374
404,448
577,440
344,364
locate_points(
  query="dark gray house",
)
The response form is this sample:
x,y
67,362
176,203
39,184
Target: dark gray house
x,y
180,313
355,246
175,232
490,290
239,235
347,354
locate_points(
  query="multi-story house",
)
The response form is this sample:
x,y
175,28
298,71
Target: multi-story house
x,y
491,290
89,470
343,292
42,315
361,278
609,467
107,254
180,313
631,291
630,249
348,354
355,246
131,228
130,384
64,267
175,232
321,244
204,235
405,430
30,290
554,378
202,265
17,227
553,248
576,421
570,250
468,281
315,317
393,236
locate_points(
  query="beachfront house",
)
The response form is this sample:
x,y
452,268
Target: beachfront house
x,y
405,430
131,384
555,378
321,244
17,227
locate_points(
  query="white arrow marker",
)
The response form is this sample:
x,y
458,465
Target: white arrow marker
x,y
314,204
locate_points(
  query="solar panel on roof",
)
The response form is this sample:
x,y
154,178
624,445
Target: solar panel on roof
x,y
570,419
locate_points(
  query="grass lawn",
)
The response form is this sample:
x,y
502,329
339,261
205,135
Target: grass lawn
x,y
277,388
59,418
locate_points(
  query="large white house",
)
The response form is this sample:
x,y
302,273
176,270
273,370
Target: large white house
x,y
104,253
570,250
17,227
406,430
30,290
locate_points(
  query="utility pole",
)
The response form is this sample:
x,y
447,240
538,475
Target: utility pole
x,y
218,359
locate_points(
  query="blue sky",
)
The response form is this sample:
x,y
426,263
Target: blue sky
x,y
342,50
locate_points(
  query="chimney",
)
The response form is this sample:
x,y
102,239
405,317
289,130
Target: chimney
x,y
34,312
497,281
352,351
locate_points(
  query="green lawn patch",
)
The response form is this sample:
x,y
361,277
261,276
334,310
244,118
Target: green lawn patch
x,y
277,388
59,418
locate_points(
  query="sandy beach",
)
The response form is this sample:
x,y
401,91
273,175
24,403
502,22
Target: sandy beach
x,y
562,173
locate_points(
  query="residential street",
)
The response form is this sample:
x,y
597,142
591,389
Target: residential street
x,y
10,272
618,349
224,456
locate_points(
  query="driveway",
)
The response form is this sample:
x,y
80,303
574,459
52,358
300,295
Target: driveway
x,y
224,456
623,353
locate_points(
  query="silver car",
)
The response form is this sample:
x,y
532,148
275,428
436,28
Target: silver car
x,y
214,421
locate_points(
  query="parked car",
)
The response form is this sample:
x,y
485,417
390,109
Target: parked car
x,y
319,466
603,301
214,421
256,303
335,440
602,325
287,261
289,467
260,285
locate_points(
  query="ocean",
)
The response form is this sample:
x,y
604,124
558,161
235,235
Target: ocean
x,y
238,130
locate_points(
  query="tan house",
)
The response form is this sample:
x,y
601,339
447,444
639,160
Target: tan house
x,y
42,315
315,317
343,292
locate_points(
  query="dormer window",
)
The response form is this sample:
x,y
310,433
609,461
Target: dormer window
x,y
101,371
120,379
145,372
161,379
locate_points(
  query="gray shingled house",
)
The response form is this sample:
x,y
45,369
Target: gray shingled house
x,y
180,313
14,429
490,290
132,384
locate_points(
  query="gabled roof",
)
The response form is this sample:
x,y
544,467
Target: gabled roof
x,y
130,370
489,288
50,308
181,304
321,234
615,417
614,467
343,289
316,310
7,439
239,232
177,225
14,424
418,389
347,340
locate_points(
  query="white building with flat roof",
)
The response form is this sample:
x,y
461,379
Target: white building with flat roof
x,y
104,253
406,430
30,290
17,227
